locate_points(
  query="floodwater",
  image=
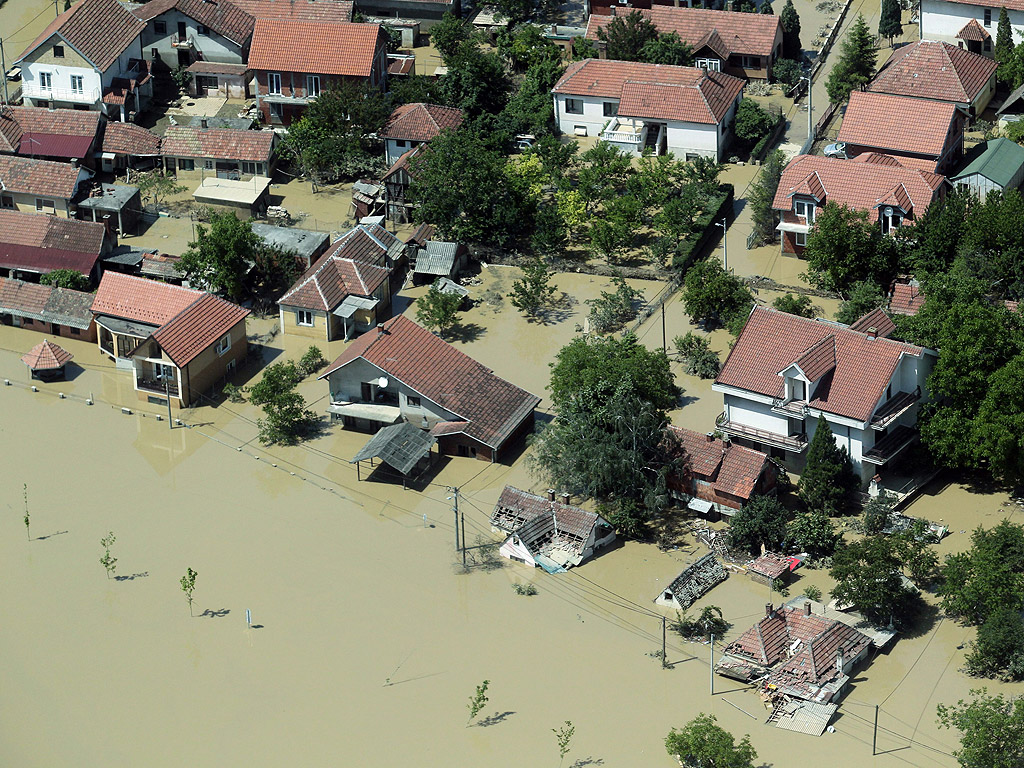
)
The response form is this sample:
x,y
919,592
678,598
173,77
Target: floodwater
x,y
366,640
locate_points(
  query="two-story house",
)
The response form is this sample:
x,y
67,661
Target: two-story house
x,y
683,110
745,45
180,32
294,61
413,124
969,24
787,373
90,57
920,133
892,195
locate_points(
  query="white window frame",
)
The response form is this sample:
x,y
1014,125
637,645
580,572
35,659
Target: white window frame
x,y
610,108
713,65
223,345
251,167
800,238
413,401
186,164
804,208
304,317
574,106
274,83
163,371
207,165
46,81
42,204
77,84
889,223
312,86
986,18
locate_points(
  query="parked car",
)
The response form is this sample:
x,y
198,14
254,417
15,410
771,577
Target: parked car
x,y
525,141
836,150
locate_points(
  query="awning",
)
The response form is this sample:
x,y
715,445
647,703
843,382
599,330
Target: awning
x,y
699,505
400,446
125,327
351,304
786,226
385,414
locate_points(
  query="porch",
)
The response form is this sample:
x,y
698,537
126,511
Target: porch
x,y
633,136
795,443
156,376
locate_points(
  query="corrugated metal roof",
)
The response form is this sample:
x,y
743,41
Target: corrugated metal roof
x,y
400,446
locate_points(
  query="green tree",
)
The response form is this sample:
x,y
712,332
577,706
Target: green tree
x,y
312,361
478,700
564,736
589,371
534,291
762,196
449,35
987,577
790,20
787,71
667,49
188,586
1003,52
868,575
862,297
286,418
476,81
274,271
842,248
697,356
625,36
890,22
438,310
156,185
613,309
998,649
702,743
760,522
513,12
713,296
414,89
814,533
66,278
991,728
877,513
998,427
108,561
795,305
614,232
752,122
856,64
766,8
602,173
221,255
828,479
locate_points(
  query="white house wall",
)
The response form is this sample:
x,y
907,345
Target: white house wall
x,y
592,119
692,139
213,46
756,415
346,385
941,20
60,81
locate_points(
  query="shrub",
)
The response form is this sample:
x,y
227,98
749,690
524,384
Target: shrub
x,y
812,592
710,622
527,590
233,393
312,361
787,71
697,356
752,122
610,311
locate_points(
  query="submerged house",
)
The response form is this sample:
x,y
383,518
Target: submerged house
x,y
47,309
32,245
696,579
177,342
543,532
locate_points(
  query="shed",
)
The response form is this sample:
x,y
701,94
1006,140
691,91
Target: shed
x,y
997,164
695,580
119,201
46,360
306,244
438,259
251,197
400,446
769,568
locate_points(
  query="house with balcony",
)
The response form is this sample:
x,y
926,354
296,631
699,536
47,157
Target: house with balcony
x,y
32,245
683,110
177,343
919,133
413,124
179,33
744,45
89,57
224,153
969,24
891,194
787,373
294,61
402,372
348,290
40,186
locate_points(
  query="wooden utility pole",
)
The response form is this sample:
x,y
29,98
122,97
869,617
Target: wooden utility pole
x,y
711,669
462,517
455,509
664,660
874,736
664,346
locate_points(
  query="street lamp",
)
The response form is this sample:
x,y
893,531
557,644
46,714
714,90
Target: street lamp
x,y
810,106
725,242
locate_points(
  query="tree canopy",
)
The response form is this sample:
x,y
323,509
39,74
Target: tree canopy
x,y
991,729
221,255
438,310
845,247
869,572
702,743
890,22
856,64
286,420
761,521
827,480
790,20
1003,52
713,296
66,278
762,195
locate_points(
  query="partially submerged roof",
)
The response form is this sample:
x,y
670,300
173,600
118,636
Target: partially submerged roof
x,y
743,33
772,341
48,132
421,122
897,123
537,520
46,243
875,323
130,139
491,407
731,468
399,446
328,48
436,258
301,242
770,565
998,160
928,69
62,306
218,143
111,197
43,178
655,91
697,579
225,18
46,356
100,30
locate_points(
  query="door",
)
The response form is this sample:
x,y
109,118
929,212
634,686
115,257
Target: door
x,y
55,329
366,391
182,32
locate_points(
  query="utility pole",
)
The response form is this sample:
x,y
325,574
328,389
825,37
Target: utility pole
x,y
664,347
810,107
167,394
874,736
3,64
462,517
711,668
455,509
724,224
664,661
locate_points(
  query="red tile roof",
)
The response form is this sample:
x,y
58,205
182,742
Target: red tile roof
x,y
515,508
745,33
299,10
45,178
224,18
877,319
130,139
38,243
731,468
24,129
818,359
354,265
906,298
421,122
22,296
207,320
218,143
45,302
771,341
403,162
897,123
46,356
864,183
973,32
934,70
119,88
100,30
413,355
656,91
318,47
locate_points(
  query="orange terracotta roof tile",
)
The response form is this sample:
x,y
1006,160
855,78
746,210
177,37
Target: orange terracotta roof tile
x,y
934,70
743,33
973,32
16,122
38,243
224,18
875,319
45,178
317,47
906,298
142,300
421,122
46,356
218,143
203,323
772,340
656,91
818,359
100,30
731,468
130,139
298,10
897,123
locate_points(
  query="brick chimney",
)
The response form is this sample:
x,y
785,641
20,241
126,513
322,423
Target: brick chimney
x,y
807,608
768,608
710,437
564,498
551,494
204,123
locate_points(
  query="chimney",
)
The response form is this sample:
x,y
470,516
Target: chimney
x,y
551,494
710,437
74,162
204,123
564,498
839,660
767,609
730,5
807,608
613,12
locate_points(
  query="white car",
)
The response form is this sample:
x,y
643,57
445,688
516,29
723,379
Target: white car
x,y
836,150
525,141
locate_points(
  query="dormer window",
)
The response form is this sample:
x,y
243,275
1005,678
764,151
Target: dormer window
x,y
892,218
805,209
796,389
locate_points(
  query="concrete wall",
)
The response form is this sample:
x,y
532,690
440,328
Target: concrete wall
x,y
212,46
319,330
209,369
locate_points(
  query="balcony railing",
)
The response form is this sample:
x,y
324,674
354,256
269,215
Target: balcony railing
x,y
35,91
159,386
623,137
890,445
177,41
794,443
796,408
893,408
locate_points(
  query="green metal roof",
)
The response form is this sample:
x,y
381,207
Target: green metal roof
x,y
997,160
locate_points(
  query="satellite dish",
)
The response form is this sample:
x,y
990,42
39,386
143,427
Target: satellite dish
x,y
887,210
382,382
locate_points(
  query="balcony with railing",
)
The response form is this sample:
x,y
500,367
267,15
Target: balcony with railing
x,y
159,386
890,445
893,408
794,408
794,443
182,41
629,132
33,90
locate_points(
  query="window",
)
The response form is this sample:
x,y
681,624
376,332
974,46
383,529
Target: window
x,y
987,45
400,143
160,27
45,81
154,53
208,165
715,65
46,206
75,332
414,402
58,51
77,84
186,165
6,201
800,238
274,83
304,317
805,209
203,29
988,17
253,168
891,219
610,108
574,106
312,86
162,371
223,345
